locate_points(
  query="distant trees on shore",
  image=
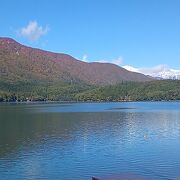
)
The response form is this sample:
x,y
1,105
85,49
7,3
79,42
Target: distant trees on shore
x,y
124,91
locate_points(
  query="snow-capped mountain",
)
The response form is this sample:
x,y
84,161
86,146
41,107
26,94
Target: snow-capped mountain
x,y
170,74
160,71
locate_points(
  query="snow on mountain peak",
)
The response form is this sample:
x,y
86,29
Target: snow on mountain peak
x,y
160,71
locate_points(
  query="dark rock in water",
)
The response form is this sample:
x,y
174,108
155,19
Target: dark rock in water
x,y
123,176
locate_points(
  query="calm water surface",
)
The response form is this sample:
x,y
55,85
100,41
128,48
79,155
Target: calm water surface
x,y
81,140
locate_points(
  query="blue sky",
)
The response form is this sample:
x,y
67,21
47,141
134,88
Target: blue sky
x,y
140,33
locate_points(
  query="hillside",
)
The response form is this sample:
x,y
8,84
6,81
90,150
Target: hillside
x,y
125,91
134,91
21,63
32,74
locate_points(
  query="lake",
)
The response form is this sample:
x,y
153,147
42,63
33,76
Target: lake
x,y
75,141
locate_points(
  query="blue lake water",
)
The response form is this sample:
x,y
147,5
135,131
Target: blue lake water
x,y
72,141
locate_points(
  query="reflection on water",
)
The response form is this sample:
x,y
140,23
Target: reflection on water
x,y
78,141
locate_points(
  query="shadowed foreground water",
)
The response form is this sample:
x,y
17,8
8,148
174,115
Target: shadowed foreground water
x,y
81,140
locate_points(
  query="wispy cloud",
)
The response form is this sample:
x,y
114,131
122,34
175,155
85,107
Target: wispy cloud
x,y
118,61
84,58
148,70
33,31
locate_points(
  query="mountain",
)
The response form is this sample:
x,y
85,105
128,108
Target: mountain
x,y
22,63
169,74
158,72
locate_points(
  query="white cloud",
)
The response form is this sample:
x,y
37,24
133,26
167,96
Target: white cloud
x,y
84,58
130,68
155,70
33,31
162,71
118,61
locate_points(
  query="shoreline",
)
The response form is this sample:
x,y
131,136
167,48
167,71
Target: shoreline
x,y
59,102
